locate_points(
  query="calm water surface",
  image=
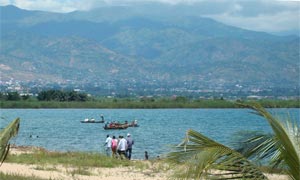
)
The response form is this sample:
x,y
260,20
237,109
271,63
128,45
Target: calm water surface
x,y
60,129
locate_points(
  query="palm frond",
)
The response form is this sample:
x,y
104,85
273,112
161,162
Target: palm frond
x,y
199,156
5,135
286,140
204,158
257,146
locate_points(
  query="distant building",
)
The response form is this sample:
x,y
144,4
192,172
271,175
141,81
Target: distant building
x,y
254,97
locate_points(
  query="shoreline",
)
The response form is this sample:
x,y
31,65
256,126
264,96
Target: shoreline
x,y
153,170
69,172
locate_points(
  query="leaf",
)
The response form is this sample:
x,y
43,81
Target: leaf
x,y
205,158
286,140
5,135
201,157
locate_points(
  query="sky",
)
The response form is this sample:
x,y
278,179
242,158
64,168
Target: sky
x,y
260,15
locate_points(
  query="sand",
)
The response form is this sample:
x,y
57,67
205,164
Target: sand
x,y
67,173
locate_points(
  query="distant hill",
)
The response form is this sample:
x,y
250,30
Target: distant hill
x,y
126,47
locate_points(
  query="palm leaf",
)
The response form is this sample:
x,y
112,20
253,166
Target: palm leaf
x,y
284,145
5,135
201,157
257,146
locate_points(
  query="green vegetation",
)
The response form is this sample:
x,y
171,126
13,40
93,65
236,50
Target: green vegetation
x,y
62,96
72,99
49,95
5,135
279,103
139,103
75,162
201,157
17,177
76,159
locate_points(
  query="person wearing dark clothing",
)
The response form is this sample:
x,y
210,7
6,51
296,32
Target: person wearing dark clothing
x,y
130,142
146,155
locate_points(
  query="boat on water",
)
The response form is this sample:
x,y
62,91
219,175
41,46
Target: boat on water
x,y
92,120
117,125
134,123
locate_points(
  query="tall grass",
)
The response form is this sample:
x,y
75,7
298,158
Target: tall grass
x,y
17,177
77,159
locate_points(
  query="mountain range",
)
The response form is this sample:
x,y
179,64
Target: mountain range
x,y
139,47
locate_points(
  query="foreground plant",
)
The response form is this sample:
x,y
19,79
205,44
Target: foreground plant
x,y
201,157
10,131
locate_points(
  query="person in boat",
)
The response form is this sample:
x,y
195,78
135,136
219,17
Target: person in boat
x,y
107,145
133,123
130,142
106,125
102,118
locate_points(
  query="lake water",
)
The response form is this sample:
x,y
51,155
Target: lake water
x,y
60,129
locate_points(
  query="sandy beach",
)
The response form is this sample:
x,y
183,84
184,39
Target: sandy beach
x,y
63,173
67,172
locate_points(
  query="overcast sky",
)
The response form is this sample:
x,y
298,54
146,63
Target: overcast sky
x,y
259,15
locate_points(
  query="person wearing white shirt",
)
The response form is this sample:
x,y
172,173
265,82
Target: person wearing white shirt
x,y
122,146
108,145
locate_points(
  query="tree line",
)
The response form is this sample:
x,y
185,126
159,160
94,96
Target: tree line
x,y
48,95
73,99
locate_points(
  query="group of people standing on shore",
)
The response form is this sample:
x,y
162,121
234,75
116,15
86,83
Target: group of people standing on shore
x,y
119,147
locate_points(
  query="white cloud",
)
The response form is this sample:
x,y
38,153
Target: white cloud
x,y
51,5
5,2
161,1
178,1
71,5
282,21
260,15
237,7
